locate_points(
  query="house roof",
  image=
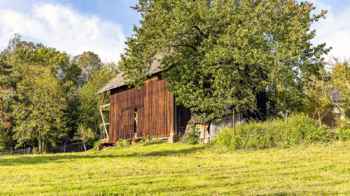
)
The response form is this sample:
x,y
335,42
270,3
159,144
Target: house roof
x,y
335,94
119,80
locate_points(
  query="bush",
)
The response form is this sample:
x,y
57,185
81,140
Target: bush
x,y
148,138
299,129
343,131
120,144
35,150
192,135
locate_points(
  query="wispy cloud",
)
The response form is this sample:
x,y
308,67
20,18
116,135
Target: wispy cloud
x,y
63,28
335,30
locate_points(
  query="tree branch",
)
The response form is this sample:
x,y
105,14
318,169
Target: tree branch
x,y
200,31
186,45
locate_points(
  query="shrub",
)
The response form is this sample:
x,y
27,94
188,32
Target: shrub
x,y
192,135
149,138
35,150
299,129
120,144
343,131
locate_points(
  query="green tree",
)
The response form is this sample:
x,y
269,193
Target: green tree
x,y
340,81
39,113
84,135
319,92
89,63
220,53
8,79
89,108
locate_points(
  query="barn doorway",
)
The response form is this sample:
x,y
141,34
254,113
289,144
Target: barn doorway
x,y
135,120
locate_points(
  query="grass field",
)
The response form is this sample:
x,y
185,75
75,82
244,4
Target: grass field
x,y
181,169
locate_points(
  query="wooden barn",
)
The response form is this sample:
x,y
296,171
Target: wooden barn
x,y
137,113
152,111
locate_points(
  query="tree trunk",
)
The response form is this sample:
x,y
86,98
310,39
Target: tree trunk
x,y
2,110
39,144
234,124
2,103
84,146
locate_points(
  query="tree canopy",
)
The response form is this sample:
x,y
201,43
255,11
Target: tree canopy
x,y
218,54
55,93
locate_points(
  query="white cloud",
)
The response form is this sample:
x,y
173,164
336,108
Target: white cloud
x,y
64,29
335,30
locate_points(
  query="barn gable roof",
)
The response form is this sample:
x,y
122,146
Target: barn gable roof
x,y
119,80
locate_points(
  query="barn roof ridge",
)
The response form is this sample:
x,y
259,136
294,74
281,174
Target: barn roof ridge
x,y
119,80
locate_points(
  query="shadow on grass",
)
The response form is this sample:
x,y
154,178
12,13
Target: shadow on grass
x,y
63,158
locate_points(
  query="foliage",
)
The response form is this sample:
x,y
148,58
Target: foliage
x,y
220,54
319,91
120,144
39,113
340,76
300,129
89,63
192,135
331,83
5,138
8,79
148,138
8,94
89,108
65,91
84,134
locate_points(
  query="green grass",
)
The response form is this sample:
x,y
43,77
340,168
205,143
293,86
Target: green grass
x,y
181,169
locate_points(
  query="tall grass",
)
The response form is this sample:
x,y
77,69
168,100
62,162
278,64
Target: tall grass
x,y
298,129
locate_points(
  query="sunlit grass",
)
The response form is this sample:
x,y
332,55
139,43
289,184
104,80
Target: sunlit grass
x,y
181,169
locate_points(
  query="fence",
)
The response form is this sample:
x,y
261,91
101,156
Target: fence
x,y
18,151
75,147
329,117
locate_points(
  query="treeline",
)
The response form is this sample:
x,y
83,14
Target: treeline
x,y
46,95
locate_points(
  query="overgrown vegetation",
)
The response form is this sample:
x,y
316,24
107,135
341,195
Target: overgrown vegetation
x,y
298,129
192,135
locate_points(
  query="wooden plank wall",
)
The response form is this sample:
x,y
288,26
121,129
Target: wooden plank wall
x,y
155,107
184,115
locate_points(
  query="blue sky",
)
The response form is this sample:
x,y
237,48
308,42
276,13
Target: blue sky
x,y
102,26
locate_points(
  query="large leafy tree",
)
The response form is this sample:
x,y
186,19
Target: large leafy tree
x,y
218,54
30,60
89,63
40,112
8,79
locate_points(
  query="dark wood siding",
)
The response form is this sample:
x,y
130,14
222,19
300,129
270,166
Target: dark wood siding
x,y
184,116
155,109
260,114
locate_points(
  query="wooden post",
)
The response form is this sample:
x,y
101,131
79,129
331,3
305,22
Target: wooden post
x,y
11,151
103,119
319,118
234,124
29,150
204,137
